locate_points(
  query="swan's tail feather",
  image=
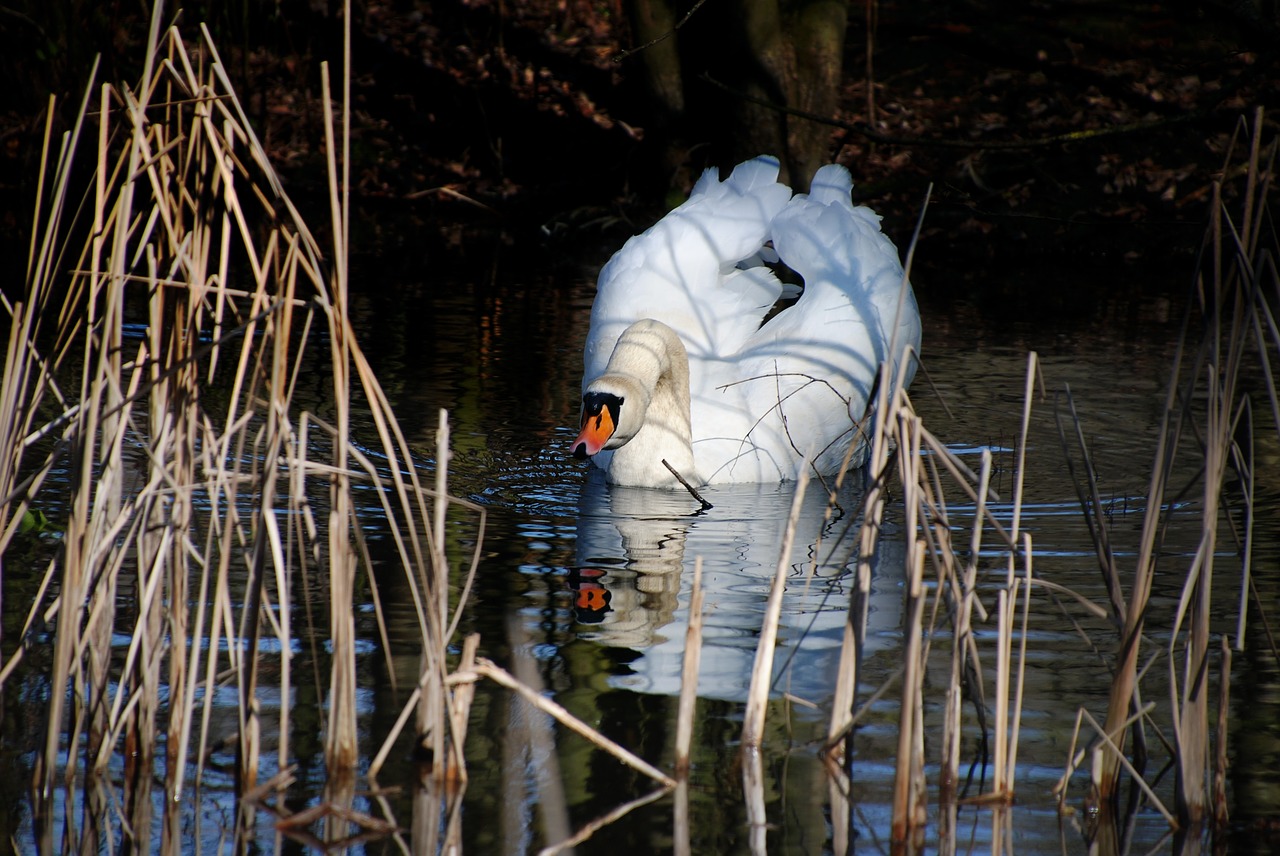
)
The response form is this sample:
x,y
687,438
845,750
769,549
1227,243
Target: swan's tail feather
x,y
747,177
832,185
681,271
756,173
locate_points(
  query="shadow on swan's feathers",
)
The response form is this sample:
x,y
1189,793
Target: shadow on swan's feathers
x,y
763,395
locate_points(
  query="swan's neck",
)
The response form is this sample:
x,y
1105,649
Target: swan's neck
x,y
650,368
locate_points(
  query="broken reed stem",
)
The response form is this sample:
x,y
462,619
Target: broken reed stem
x,y
762,670
689,674
1006,605
907,819
1007,724
1020,682
341,747
1020,468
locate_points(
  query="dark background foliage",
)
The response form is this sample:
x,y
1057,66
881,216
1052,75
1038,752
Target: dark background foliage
x,y
1085,132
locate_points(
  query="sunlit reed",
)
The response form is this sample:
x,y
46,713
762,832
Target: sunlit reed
x,y
1229,333
194,520
196,527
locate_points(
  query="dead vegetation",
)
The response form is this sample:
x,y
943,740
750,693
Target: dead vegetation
x,y
172,304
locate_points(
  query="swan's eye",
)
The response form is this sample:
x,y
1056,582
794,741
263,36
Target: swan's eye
x,y
599,419
600,406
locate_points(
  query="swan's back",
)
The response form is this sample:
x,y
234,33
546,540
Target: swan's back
x,y
682,270
765,395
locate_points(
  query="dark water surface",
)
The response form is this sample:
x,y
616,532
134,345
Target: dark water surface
x,y
591,585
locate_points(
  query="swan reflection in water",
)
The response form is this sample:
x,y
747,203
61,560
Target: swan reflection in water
x,y
636,549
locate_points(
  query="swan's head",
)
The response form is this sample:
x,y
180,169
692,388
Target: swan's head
x,y
601,416
643,395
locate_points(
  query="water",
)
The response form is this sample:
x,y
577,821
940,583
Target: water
x,y
589,586
599,579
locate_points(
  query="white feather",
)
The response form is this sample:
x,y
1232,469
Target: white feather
x,y
763,396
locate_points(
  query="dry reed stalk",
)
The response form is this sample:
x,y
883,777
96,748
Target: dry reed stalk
x,y
1019,684
1221,809
907,821
762,669
431,705
680,818
753,798
1008,722
460,710
1006,606
341,750
1190,706
1232,307
908,817
164,503
689,674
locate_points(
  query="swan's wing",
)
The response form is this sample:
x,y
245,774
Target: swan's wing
x,y
880,273
683,270
807,372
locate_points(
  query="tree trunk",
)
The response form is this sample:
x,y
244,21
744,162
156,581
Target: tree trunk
x,y
718,86
817,40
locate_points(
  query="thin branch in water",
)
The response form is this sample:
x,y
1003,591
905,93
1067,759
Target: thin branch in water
x,y
692,490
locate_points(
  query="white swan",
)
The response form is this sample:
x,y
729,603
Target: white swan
x,y
682,365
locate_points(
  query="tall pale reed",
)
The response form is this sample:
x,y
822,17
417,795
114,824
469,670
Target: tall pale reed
x,y
196,518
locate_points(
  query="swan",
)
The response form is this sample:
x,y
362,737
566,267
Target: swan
x,y
687,361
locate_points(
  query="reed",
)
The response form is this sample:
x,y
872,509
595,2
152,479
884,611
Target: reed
x,y
762,668
1228,351
196,519
941,594
197,522
1229,342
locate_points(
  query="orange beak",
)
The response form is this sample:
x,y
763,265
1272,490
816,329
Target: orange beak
x,y
597,428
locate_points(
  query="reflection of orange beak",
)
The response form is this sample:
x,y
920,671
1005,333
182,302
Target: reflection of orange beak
x,y
596,430
592,597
